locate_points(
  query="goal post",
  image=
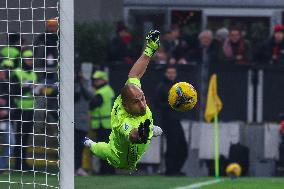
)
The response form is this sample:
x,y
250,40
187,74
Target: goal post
x,y
66,94
37,94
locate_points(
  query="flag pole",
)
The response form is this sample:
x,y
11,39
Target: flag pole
x,y
216,141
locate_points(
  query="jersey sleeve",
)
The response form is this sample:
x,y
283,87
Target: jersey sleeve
x,y
134,81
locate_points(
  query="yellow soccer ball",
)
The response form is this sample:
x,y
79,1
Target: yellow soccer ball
x,y
234,170
182,96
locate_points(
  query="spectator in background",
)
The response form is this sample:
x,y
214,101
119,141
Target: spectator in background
x,y
170,40
176,144
46,58
46,48
121,49
180,52
208,48
236,49
160,56
82,96
272,51
22,91
10,55
6,129
100,106
221,36
207,54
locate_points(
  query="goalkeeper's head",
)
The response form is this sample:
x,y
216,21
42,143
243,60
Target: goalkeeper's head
x,y
133,100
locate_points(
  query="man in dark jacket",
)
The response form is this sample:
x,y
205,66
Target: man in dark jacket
x,y
121,47
272,51
176,144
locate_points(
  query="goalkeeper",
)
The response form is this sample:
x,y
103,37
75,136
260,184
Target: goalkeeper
x,y
131,118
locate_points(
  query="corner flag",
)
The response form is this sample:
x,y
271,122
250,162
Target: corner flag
x,y
213,107
214,103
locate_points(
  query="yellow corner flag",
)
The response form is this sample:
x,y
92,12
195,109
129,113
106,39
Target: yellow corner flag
x,y
214,103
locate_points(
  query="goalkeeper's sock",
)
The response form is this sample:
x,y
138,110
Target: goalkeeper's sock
x,y
88,142
157,131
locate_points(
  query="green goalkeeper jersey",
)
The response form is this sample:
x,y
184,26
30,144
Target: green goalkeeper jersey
x,y
122,123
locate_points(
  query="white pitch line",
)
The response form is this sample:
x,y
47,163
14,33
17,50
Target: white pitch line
x,y
200,184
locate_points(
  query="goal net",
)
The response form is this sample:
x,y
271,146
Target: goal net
x,y
30,85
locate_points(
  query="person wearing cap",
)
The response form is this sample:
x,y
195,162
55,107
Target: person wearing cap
x,y
83,93
131,119
272,51
10,55
46,47
22,93
100,107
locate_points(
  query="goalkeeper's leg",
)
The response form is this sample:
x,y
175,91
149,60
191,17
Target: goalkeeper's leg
x,y
103,151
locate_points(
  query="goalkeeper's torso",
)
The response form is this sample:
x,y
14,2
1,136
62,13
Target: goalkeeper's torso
x,y
122,123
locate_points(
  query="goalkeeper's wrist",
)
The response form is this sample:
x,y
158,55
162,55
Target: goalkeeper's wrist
x,y
149,52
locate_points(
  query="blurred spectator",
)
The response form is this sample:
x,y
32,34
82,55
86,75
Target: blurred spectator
x,y
236,49
172,61
208,49
180,53
82,96
46,47
208,58
22,91
272,51
160,56
100,106
46,59
222,35
121,48
10,55
170,40
176,153
6,129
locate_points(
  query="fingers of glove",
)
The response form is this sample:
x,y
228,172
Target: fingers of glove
x,y
153,35
147,123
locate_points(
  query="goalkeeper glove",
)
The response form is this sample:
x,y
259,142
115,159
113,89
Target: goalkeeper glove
x,y
152,42
144,131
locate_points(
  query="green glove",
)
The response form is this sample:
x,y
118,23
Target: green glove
x,y
152,43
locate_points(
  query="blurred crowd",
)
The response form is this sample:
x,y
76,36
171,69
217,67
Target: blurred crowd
x,y
28,84
225,46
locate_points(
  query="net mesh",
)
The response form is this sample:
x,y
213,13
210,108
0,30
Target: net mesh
x,y
29,97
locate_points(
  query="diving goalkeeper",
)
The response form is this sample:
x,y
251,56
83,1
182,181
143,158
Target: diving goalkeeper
x,y
131,118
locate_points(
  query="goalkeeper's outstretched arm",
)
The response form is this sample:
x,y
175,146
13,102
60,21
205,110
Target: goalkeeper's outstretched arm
x,y
152,44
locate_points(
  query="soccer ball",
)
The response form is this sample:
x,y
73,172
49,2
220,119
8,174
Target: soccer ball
x,y
233,170
182,96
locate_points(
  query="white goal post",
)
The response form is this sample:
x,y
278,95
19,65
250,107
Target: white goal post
x,y
66,94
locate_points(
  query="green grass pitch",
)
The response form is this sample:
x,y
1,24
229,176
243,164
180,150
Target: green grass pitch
x,y
149,182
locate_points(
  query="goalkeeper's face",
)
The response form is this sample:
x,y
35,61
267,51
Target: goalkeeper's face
x,y
135,104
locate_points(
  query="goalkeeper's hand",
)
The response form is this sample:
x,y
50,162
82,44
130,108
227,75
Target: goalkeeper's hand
x,y
144,131
152,43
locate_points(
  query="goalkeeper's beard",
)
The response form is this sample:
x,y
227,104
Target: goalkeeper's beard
x,y
140,112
